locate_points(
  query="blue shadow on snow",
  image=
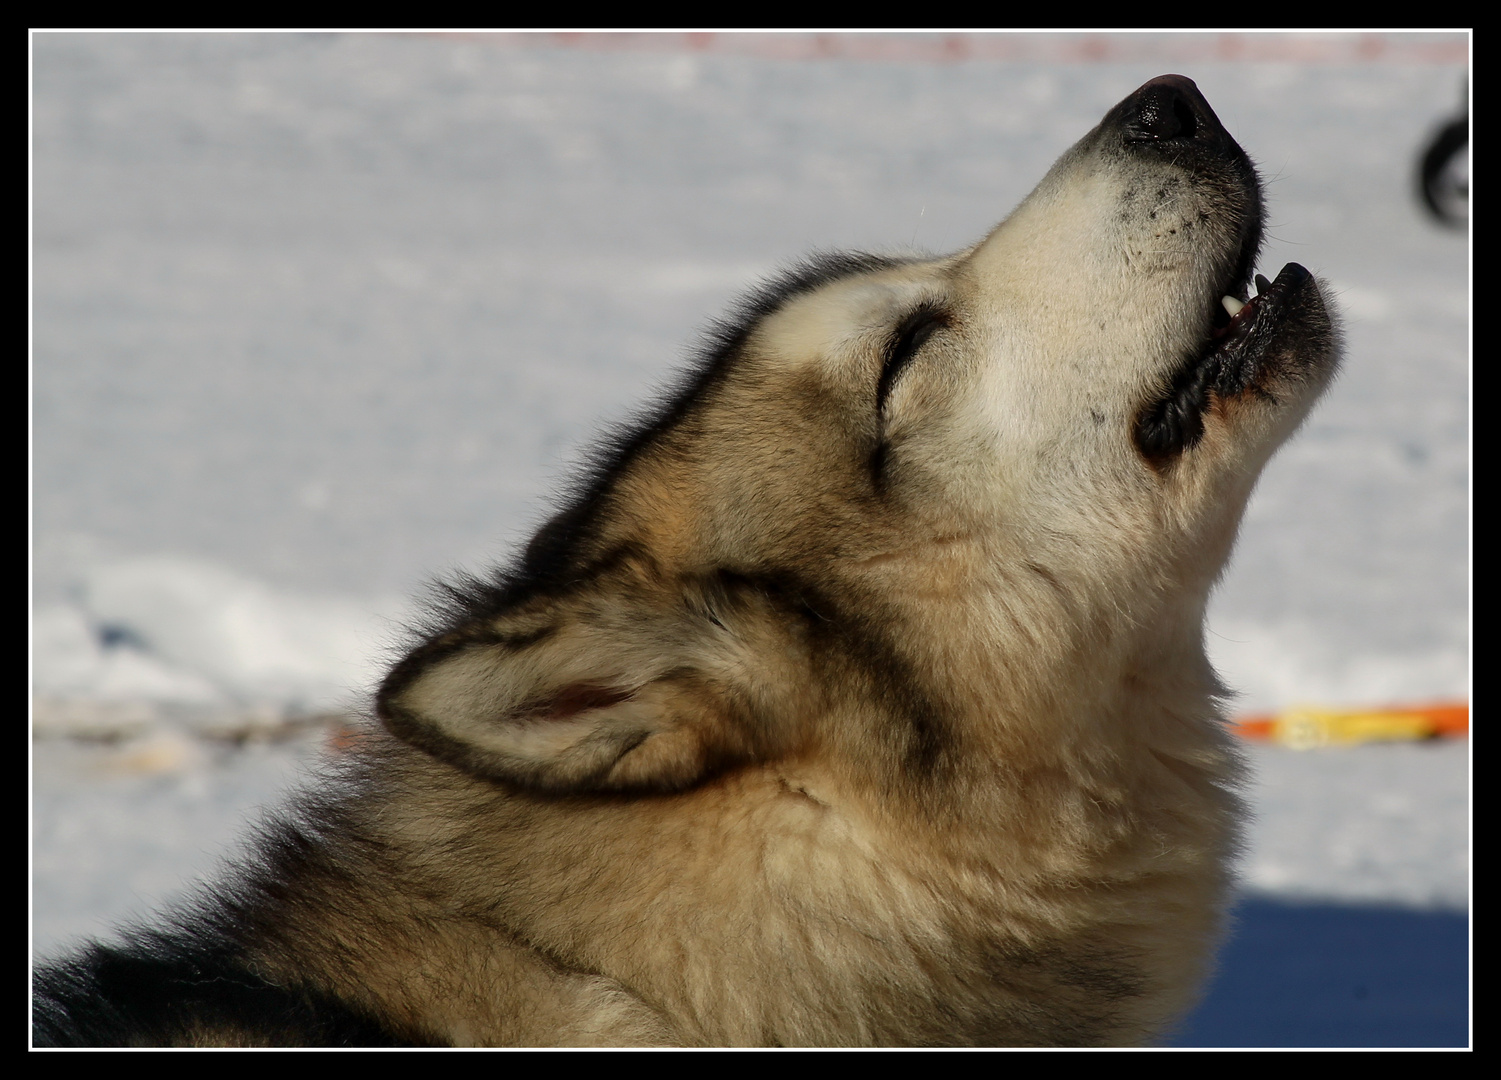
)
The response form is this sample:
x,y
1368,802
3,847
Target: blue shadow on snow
x,y
1296,974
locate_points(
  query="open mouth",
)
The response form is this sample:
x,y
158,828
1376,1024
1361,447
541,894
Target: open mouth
x,y
1236,346
1232,362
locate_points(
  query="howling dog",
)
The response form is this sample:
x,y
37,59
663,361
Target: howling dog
x,y
857,696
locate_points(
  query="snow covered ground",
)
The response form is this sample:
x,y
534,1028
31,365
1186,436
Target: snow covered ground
x,y
317,317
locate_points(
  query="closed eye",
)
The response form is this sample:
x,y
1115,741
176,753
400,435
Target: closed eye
x,y
906,340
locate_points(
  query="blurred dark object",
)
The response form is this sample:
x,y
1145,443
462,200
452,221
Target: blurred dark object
x,y
1444,175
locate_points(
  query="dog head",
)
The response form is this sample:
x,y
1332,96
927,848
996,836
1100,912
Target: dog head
x,y
905,506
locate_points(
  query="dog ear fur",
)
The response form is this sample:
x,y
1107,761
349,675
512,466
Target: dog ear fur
x,y
621,686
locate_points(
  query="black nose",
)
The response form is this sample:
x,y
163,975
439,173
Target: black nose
x,y
1171,109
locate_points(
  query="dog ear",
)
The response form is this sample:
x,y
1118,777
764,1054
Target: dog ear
x,y
621,685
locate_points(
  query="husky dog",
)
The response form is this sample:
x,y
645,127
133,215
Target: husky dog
x,y
857,697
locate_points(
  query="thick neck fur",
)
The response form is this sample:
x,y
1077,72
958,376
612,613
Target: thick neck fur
x,y
581,919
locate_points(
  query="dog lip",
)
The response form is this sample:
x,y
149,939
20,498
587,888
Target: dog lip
x,y
1258,318
1234,359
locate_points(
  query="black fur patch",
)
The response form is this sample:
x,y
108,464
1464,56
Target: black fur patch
x,y
192,983
163,991
922,735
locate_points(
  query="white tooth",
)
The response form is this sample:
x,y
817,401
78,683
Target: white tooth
x,y
1232,305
